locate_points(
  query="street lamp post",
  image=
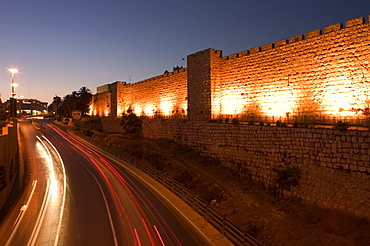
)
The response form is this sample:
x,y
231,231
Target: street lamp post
x,y
13,71
13,102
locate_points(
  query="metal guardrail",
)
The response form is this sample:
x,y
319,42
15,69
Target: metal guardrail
x,y
235,233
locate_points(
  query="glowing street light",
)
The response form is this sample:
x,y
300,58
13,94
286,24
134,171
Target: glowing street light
x,y
13,70
13,100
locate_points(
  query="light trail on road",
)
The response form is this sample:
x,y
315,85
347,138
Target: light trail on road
x,y
136,210
125,202
21,213
45,212
64,189
82,196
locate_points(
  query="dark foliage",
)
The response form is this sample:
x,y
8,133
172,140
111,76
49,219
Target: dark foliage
x,y
132,124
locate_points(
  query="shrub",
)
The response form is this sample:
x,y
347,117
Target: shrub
x,y
235,121
342,126
287,177
132,124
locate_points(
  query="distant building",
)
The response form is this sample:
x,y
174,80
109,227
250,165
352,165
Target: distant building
x,y
29,107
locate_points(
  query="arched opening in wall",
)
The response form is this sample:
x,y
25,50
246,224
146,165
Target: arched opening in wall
x,y
2,178
11,170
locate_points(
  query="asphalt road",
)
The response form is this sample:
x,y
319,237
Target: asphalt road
x,y
77,196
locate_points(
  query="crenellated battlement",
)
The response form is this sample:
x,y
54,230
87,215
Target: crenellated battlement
x,y
169,74
300,37
321,77
290,77
202,52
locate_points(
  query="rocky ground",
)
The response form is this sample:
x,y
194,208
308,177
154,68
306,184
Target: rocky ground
x,y
272,220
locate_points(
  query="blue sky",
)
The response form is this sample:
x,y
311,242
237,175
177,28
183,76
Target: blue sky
x,y
61,45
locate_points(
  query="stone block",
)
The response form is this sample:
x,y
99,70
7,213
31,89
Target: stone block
x,y
355,22
243,53
255,50
267,46
296,38
314,33
333,28
281,42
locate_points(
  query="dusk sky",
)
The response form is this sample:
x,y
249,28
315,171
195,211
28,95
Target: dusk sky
x,y
61,45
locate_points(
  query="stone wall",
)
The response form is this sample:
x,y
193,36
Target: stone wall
x,y
322,73
101,104
161,95
335,165
201,69
164,95
112,125
8,162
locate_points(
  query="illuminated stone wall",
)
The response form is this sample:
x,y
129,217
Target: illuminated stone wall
x,y
202,72
8,162
324,73
162,95
335,165
101,104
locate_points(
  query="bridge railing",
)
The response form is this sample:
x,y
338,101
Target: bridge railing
x,y
235,233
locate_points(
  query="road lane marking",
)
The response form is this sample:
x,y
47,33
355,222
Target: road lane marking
x,y
41,216
21,213
107,207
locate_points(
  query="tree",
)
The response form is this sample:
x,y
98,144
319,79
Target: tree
x,y
132,124
76,101
70,103
84,100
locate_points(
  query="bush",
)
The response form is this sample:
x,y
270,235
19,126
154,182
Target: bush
x,y
342,126
235,121
287,177
132,124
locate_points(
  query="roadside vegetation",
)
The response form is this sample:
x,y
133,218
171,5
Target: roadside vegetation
x,y
271,219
